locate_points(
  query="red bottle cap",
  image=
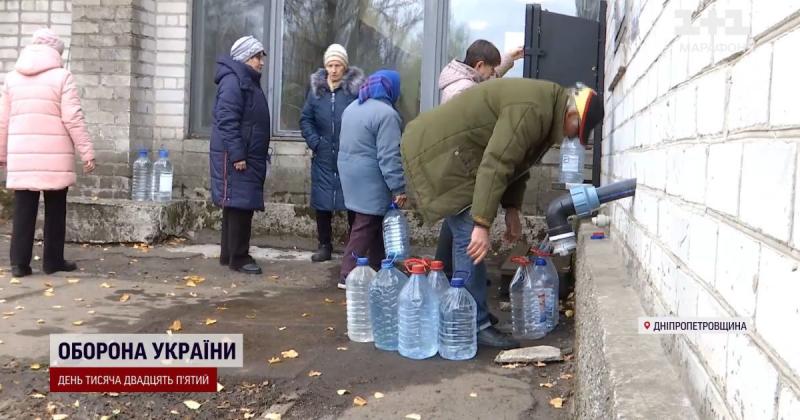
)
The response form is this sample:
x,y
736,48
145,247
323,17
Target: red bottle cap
x,y
418,269
437,265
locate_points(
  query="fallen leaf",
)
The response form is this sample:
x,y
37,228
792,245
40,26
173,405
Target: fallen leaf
x,y
193,405
76,404
289,354
546,385
49,290
105,285
249,415
305,314
77,323
341,348
56,306
175,326
413,416
342,391
511,366
314,374
14,280
37,395
36,366
378,395
274,277
569,313
328,300
210,321
330,329
565,376
250,316
125,297
569,357
540,364
281,328
191,284
19,307
557,402
78,299
359,402
192,294
92,312
473,394
40,321
59,416
175,412
49,293
274,360
272,416
73,281
9,313
113,394
219,387
195,279
51,407
116,411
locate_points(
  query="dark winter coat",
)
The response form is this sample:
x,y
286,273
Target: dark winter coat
x,y
240,132
320,123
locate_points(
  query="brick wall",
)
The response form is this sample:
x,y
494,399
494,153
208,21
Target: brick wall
x,y
704,118
18,21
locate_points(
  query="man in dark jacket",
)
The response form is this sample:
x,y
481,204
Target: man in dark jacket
x,y
239,150
472,154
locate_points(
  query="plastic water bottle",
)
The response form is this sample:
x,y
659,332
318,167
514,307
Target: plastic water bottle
x,y
395,233
140,184
438,279
418,317
534,296
458,323
359,325
572,157
383,293
161,184
516,290
551,282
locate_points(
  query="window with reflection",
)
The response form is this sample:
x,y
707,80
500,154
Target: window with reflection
x,y
376,33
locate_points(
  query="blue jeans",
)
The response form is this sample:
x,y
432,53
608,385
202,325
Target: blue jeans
x,y
461,226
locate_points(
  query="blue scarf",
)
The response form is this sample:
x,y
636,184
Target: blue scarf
x,y
381,85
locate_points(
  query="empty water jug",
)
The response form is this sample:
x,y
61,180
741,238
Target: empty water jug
x,y
458,323
359,324
395,233
516,290
383,293
529,293
418,317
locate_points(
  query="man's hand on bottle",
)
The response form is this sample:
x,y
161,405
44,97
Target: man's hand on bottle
x,y
400,200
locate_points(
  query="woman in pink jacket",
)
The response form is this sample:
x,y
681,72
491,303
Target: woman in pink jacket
x,y
41,126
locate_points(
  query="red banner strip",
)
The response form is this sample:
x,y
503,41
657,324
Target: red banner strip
x,y
127,379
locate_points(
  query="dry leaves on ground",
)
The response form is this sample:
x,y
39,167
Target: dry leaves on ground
x,y
378,395
328,300
314,374
281,328
59,416
547,385
272,416
557,402
191,404
125,297
342,391
359,402
566,376
77,323
289,354
36,366
210,321
73,281
540,364
273,360
341,348
175,326
105,285
305,315
413,416
569,313
14,280
473,394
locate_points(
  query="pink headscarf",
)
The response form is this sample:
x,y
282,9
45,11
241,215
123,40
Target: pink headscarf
x,y
45,36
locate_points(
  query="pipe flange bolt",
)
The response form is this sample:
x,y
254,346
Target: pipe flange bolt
x,y
584,198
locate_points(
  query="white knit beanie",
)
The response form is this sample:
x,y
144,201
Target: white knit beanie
x,y
335,52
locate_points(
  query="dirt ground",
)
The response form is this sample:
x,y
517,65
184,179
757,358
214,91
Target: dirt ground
x,y
294,305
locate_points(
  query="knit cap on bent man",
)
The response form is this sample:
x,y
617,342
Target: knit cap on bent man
x,y
335,52
46,36
245,48
590,110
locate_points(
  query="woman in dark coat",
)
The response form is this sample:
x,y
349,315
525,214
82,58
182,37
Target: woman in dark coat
x,y
331,90
239,145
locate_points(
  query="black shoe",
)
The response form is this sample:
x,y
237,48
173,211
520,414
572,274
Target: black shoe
x,y
491,337
323,253
250,268
65,266
21,270
493,319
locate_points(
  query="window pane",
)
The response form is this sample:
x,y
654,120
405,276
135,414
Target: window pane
x,y
502,23
221,22
377,34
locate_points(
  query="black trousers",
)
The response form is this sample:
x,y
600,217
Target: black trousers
x,y
325,225
26,207
235,240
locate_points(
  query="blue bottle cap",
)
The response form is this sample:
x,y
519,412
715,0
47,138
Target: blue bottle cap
x,y
361,261
457,282
143,152
393,206
387,263
540,261
163,153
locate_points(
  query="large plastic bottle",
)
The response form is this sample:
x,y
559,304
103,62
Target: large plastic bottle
x,y
142,170
572,160
359,324
516,290
383,293
418,317
438,279
553,283
458,323
534,301
395,233
161,184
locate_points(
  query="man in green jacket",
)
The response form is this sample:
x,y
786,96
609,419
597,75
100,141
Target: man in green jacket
x,y
465,158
